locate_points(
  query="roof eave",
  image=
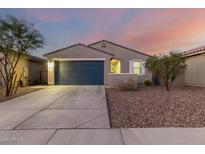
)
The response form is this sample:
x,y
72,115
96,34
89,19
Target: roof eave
x,y
194,54
52,52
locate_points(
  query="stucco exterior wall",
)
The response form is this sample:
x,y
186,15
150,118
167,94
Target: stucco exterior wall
x,y
79,52
30,70
21,68
124,55
37,72
195,70
179,81
115,79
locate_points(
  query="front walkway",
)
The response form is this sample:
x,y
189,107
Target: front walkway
x,y
77,115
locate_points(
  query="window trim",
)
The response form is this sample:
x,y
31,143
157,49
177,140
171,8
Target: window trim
x,y
131,67
137,69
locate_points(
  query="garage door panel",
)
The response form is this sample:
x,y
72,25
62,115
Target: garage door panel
x,y
79,72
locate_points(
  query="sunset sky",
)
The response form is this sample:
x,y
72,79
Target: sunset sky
x,y
150,31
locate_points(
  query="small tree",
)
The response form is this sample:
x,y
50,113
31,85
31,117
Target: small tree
x,y
168,67
17,39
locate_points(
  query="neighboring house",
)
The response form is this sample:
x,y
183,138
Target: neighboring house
x,y
95,64
1,58
195,70
32,68
194,74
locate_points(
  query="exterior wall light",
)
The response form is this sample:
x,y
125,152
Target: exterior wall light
x,y
50,65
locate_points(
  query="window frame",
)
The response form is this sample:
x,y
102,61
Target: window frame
x,y
142,68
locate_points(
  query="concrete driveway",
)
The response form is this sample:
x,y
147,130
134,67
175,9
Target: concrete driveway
x,y
56,107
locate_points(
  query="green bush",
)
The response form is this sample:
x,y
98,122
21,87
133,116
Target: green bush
x,y
147,83
130,85
168,67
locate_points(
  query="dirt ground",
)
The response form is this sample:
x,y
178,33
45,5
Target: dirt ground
x,y
21,91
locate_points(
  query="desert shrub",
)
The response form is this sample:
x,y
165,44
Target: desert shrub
x,y
130,85
147,83
167,67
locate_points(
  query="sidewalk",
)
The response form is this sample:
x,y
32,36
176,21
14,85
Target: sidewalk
x,y
137,136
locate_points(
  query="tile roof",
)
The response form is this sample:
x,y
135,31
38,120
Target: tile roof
x,y
194,51
35,58
31,57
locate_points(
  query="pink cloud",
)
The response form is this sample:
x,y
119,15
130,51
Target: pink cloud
x,y
149,30
167,29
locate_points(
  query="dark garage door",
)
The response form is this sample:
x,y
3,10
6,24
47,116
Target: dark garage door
x,y
79,72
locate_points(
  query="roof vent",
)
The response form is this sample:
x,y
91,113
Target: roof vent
x,y
103,45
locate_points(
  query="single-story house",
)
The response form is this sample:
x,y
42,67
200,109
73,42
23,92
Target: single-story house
x,y
32,68
100,63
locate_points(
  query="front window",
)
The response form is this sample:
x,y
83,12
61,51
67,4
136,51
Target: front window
x,y
137,68
115,66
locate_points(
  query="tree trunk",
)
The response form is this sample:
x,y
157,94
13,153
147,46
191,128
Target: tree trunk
x,y
168,89
18,83
13,85
167,85
8,90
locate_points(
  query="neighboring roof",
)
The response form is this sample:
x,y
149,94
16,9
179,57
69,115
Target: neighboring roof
x,y
31,57
35,58
195,51
77,45
119,46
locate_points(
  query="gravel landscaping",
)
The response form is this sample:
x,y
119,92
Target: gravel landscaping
x,y
155,107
